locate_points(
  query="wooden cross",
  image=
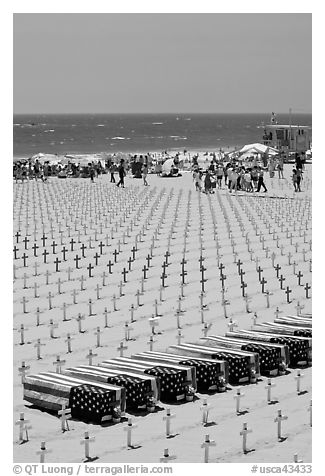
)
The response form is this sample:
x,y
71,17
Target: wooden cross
x,y
243,286
206,328
45,254
298,378
244,433
86,442
167,418
163,277
237,397
68,341
64,252
57,262
263,283
24,302
281,279
144,269
205,408
52,327
22,334
65,414
206,445
277,268
279,420
299,276
101,246
17,236
247,299
296,459
269,387
289,258
97,334
59,363
44,238
42,452
23,428
90,304
288,292
96,257
15,249
72,243
38,348
122,348
127,330
167,457
34,248
294,264
49,296
277,312
260,271
115,255
79,319
307,287
148,259
77,259
179,336
299,308
24,258
129,428
124,272
53,245
239,263
222,279
225,303
90,268
25,241
22,371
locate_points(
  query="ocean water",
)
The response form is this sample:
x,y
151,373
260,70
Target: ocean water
x,y
138,133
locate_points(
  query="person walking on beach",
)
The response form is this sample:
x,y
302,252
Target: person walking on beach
x,y
280,167
254,175
219,175
197,180
207,182
121,173
145,173
260,182
112,170
298,179
92,173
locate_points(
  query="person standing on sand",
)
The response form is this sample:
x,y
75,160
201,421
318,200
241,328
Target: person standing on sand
x,y
92,173
112,170
299,179
207,182
260,182
145,173
219,175
121,173
280,167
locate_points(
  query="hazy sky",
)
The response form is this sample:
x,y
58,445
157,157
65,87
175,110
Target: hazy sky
x,y
162,62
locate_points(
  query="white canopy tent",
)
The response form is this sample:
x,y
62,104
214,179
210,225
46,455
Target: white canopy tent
x,y
259,149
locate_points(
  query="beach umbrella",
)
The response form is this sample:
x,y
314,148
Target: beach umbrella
x,y
166,166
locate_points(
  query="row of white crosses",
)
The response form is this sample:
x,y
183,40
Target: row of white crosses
x,y
131,426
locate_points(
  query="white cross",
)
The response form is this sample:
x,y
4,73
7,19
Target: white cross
x,y
179,336
205,329
244,433
206,445
127,330
167,457
65,414
23,427
231,324
90,356
310,410
42,452
205,407
296,459
298,378
237,397
58,364
68,341
97,334
38,348
22,371
153,322
52,327
167,419
122,348
279,420
299,308
129,428
269,388
86,441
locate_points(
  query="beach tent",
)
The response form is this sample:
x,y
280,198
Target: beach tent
x,y
42,158
167,166
259,149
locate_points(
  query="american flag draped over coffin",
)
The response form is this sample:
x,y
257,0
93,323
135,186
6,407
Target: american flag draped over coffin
x,y
282,351
173,378
87,401
300,348
137,387
286,329
269,356
239,363
296,321
210,374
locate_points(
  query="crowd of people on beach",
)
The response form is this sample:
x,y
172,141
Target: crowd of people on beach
x,y
234,175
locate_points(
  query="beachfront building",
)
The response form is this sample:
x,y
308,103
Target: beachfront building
x,y
288,138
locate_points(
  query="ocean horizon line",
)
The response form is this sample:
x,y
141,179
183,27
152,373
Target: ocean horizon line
x,y
153,113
